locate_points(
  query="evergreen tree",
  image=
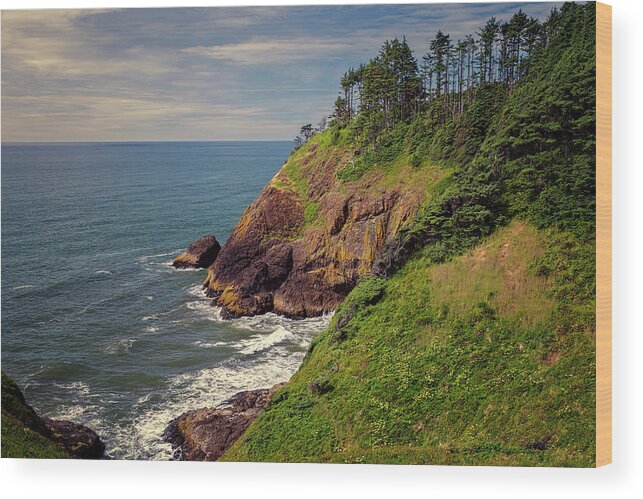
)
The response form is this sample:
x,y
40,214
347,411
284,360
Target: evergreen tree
x,y
488,36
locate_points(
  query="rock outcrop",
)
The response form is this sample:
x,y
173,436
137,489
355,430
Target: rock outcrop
x,y
205,434
69,439
78,440
199,255
302,245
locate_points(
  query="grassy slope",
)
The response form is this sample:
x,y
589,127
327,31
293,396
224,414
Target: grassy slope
x,y
463,362
479,349
18,424
19,441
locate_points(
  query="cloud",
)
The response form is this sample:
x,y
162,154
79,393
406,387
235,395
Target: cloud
x,y
57,42
200,73
270,51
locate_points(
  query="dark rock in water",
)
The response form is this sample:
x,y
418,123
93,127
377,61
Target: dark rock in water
x,y
205,434
81,442
199,255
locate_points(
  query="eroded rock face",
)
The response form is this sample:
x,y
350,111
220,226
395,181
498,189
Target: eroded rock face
x,y
200,254
278,260
205,434
80,441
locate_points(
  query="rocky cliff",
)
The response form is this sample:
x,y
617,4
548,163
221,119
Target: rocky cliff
x,y
301,246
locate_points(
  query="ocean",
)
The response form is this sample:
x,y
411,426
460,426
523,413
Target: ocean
x,y
97,327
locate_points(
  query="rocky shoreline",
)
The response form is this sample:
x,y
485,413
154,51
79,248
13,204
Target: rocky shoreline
x,y
294,252
205,434
80,441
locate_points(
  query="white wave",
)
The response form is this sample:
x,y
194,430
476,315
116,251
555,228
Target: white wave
x,y
149,298
205,310
268,322
120,346
204,388
186,269
158,270
155,317
197,291
145,258
79,387
71,412
151,264
214,344
106,272
151,329
143,399
24,286
262,342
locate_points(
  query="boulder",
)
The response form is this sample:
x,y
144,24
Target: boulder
x,y
199,255
205,434
78,440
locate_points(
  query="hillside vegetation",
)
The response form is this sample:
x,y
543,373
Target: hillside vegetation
x,y
472,361
471,341
24,434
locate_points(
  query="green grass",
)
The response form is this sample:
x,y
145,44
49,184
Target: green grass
x,y
297,170
18,441
461,362
479,348
22,427
13,403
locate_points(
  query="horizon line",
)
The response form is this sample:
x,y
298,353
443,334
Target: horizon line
x,y
7,142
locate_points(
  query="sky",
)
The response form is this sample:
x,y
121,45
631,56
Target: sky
x,y
219,73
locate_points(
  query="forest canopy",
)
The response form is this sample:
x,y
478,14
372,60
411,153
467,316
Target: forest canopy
x,y
511,108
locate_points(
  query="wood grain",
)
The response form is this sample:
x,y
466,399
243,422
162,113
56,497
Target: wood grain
x,y
603,234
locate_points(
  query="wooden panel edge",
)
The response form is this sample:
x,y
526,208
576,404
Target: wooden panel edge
x,y
603,234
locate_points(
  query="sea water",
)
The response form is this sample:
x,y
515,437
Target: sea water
x,y
97,327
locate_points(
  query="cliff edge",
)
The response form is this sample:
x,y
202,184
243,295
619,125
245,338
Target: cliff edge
x,y
302,245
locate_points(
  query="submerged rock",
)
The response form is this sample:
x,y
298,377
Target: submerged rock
x,y
205,434
199,255
80,441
